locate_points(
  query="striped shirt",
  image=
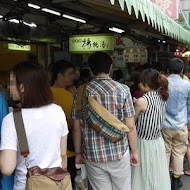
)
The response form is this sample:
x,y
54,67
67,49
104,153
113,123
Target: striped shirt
x,y
116,98
150,122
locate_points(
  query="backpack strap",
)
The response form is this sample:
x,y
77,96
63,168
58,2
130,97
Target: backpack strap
x,y
21,133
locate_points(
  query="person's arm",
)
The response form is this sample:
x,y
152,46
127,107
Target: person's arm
x,y
77,142
140,106
63,143
64,151
132,137
8,154
76,115
188,108
8,160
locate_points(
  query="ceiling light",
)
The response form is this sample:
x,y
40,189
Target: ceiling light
x,y
164,41
51,11
74,18
14,21
117,30
33,6
30,24
159,41
1,16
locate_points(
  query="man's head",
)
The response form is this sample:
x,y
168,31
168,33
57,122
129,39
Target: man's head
x,y
175,66
100,63
63,72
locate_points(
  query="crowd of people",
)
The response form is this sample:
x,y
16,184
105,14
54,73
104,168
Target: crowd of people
x,y
124,143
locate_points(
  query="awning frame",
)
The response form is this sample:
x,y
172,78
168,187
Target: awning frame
x,y
151,14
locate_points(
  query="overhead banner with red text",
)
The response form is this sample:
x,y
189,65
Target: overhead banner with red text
x,y
169,7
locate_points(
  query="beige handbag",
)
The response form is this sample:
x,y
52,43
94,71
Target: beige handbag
x,y
101,119
37,178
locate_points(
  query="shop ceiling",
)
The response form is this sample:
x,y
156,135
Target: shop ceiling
x,y
99,15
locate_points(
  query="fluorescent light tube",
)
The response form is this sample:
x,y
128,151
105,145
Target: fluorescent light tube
x,y
30,24
117,30
14,21
74,18
51,11
33,6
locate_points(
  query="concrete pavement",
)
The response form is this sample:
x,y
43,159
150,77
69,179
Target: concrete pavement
x,y
186,183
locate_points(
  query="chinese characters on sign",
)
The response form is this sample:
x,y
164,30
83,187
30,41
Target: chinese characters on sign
x,y
136,55
17,47
124,42
129,55
169,7
91,43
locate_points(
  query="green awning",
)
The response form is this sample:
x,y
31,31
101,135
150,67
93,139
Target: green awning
x,y
151,14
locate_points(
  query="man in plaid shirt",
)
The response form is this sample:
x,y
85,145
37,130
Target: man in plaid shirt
x,y
108,163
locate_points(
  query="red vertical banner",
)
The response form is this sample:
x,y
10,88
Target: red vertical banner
x,y
169,7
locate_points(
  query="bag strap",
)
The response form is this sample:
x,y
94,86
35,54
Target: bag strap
x,y
21,133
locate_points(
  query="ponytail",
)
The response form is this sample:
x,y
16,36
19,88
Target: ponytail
x,y
163,81
155,81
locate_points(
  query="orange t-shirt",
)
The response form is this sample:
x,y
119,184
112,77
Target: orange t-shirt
x,y
64,99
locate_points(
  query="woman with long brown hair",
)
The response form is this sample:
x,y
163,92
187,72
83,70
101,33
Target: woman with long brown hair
x,y
152,173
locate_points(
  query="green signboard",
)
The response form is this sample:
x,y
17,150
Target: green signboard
x,y
12,46
91,43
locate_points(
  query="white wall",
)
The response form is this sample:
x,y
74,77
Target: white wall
x,y
184,5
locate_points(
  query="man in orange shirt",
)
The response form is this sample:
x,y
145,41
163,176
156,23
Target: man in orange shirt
x,y
63,75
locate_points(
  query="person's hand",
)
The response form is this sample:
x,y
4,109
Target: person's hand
x,y
134,159
79,159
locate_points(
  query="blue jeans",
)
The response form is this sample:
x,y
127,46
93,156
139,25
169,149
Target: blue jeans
x,y
7,182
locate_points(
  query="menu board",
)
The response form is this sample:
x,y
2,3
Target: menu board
x,y
135,55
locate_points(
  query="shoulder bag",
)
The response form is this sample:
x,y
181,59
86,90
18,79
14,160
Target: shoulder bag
x,y
102,121
37,178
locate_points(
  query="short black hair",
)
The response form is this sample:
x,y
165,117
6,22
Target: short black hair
x,y
100,62
59,67
175,66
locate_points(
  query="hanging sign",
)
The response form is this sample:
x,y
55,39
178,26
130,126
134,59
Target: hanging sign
x,y
12,46
136,55
118,58
178,54
90,43
124,42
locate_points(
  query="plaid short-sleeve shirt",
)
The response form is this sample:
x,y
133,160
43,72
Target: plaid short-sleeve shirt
x,y
116,98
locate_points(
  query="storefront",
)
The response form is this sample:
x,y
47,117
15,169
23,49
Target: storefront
x,y
134,32
13,52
